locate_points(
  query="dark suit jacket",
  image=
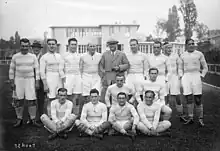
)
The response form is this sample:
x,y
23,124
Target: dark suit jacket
x,y
108,61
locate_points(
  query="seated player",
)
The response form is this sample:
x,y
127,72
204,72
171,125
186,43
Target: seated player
x,y
93,120
62,119
123,116
153,84
149,116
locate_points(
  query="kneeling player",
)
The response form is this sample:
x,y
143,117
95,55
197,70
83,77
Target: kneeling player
x,y
62,119
93,120
123,116
149,116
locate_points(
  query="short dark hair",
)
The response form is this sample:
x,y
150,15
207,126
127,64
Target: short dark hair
x,y
153,69
150,91
158,42
120,74
121,93
94,91
24,40
51,39
72,39
62,90
165,43
133,40
187,40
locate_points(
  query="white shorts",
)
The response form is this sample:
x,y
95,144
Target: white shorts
x,y
25,88
133,79
73,84
192,83
90,81
161,79
122,123
54,83
173,85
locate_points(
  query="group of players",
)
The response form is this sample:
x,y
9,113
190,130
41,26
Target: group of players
x,y
116,91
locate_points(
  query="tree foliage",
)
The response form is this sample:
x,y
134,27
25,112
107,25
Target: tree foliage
x,y
189,13
201,30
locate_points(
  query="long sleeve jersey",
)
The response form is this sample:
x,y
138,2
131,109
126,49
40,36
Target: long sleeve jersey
x,y
51,62
155,86
173,65
138,63
89,64
149,115
113,91
24,66
123,113
94,113
71,63
192,61
159,62
60,112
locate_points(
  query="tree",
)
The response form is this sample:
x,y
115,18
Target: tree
x,y
12,42
189,12
149,38
170,26
160,28
201,30
17,40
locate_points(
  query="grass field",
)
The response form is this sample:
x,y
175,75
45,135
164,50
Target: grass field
x,y
184,138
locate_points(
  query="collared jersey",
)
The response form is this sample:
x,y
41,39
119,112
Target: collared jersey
x,y
71,63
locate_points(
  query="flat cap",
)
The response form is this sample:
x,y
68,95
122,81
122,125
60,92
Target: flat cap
x,y
112,41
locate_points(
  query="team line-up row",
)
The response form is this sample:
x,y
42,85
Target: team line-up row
x,y
125,82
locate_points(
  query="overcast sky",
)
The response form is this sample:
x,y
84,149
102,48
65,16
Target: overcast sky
x,y
32,17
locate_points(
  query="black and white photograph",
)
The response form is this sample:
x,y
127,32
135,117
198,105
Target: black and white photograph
x,y
100,75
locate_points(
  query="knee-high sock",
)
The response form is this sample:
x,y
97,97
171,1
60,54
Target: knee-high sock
x,y
19,112
32,111
199,111
190,108
179,109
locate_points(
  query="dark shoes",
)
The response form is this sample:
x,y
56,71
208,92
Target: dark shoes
x,y
189,121
34,123
63,135
100,136
18,123
201,123
52,136
182,119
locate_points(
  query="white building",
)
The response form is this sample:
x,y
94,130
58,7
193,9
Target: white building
x,y
102,33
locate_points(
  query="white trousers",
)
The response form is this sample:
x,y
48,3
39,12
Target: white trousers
x,y
25,88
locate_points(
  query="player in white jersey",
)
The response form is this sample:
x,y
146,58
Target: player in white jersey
x,y
24,77
149,113
159,61
89,72
119,86
173,79
93,120
62,118
192,62
153,84
138,65
51,72
123,116
73,81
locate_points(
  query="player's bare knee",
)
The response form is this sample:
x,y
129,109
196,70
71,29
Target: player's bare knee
x,y
198,100
106,124
189,99
32,103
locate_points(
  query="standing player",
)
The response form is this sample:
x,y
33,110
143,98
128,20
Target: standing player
x,y
73,82
113,90
89,71
123,116
93,120
138,65
173,79
159,61
192,61
111,63
153,84
24,77
51,72
149,113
